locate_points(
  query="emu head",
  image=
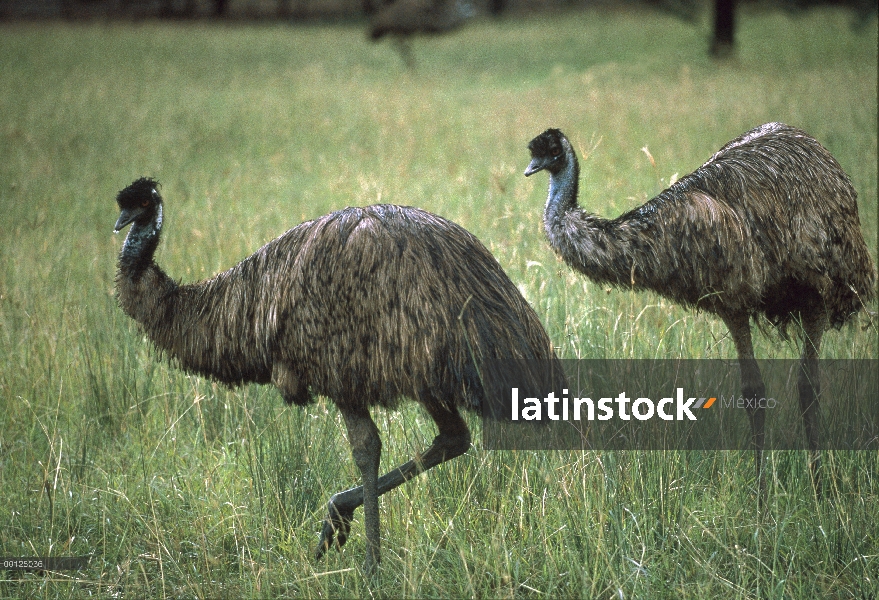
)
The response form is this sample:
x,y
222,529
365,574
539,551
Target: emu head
x,y
139,203
548,151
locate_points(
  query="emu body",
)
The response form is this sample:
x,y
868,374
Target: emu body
x,y
767,226
403,19
364,306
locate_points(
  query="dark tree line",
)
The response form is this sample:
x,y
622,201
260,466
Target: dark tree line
x,y
723,38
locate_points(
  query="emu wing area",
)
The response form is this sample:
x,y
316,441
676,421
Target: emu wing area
x,y
367,305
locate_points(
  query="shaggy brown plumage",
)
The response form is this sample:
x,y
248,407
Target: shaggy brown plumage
x,y
364,306
767,226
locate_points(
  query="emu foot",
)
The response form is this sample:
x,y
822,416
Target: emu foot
x,y
370,565
336,525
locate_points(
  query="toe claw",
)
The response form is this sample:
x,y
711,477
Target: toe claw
x,y
336,525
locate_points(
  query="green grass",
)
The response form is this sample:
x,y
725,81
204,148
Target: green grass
x,y
181,488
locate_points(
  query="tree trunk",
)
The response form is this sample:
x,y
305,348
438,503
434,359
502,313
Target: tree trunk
x,y
724,28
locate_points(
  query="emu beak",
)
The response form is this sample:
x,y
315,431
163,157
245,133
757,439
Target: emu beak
x,y
127,216
533,167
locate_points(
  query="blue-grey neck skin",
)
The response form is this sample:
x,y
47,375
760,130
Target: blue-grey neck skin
x,y
596,247
140,245
563,190
562,199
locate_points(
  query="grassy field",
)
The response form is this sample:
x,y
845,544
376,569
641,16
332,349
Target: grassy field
x,y
180,488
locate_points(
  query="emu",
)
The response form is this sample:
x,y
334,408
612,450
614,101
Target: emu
x,y
363,306
767,226
405,18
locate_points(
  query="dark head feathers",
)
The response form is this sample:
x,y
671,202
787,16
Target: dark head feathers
x,y
545,143
139,202
547,152
142,190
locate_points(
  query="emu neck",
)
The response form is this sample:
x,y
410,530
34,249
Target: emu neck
x,y
141,286
600,249
563,190
140,246
208,327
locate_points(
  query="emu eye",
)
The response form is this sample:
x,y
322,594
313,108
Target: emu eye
x,y
556,151
145,203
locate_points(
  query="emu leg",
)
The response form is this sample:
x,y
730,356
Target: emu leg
x,y
752,388
405,52
809,388
453,440
366,447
